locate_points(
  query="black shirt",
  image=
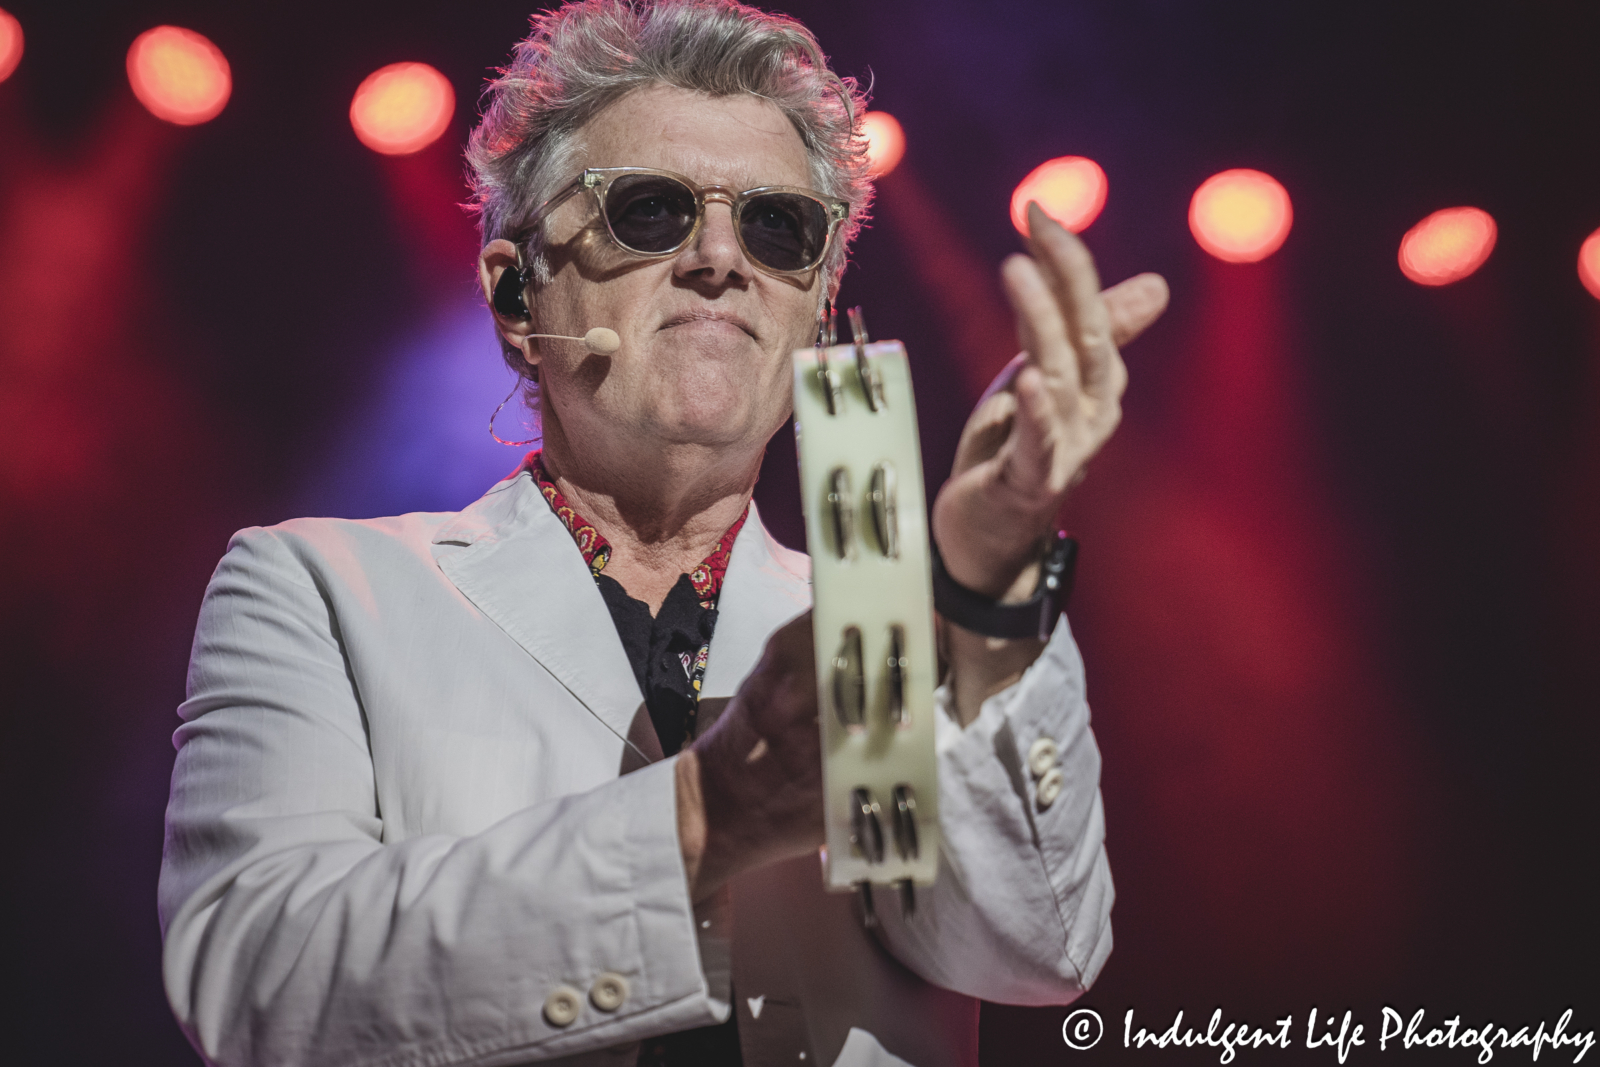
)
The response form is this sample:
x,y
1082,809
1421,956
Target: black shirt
x,y
663,651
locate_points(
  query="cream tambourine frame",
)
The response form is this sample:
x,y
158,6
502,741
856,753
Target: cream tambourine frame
x,y
867,533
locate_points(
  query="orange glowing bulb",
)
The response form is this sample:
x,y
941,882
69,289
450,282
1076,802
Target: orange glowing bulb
x,y
178,75
10,43
886,142
402,108
1070,189
1589,264
1240,216
1447,246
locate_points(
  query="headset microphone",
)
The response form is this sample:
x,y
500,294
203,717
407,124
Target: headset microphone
x,y
508,301
600,341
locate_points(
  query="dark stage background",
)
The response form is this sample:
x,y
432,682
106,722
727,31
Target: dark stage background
x,y
1339,587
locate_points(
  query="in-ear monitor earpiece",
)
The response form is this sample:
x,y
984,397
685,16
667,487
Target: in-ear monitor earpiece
x,y
508,301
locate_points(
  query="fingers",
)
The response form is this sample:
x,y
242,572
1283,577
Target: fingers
x,y
1069,268
1134,304
1041,326
1065,391
1029,458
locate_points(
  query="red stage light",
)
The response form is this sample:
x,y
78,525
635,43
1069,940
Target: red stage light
x,y
1240,216
178,75
886,142
402,108
1447,245
1070,189
1589,264
10,43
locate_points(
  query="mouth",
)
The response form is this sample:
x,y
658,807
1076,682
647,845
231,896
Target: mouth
x,y
710,318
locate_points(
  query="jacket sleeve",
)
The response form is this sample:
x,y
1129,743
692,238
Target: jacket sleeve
x,y
1021,910
294,933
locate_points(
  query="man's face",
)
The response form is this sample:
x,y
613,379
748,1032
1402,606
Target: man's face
x,y
706,336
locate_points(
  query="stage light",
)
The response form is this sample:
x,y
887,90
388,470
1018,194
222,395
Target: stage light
x,y
1070,189
178,75
886,142
1589,264
10,43
402,108
1447,246
1240,216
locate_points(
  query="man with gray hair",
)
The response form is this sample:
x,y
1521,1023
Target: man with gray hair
x,y
420,813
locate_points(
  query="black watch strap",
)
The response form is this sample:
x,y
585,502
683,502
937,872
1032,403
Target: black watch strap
x,y
1035,617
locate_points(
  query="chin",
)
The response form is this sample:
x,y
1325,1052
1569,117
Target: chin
x,y
716,407
709,427
716,421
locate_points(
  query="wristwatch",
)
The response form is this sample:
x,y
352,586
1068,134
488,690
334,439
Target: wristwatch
x,y
1034,617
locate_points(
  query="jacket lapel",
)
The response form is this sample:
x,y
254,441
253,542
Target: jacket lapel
x,y
511,556
765,586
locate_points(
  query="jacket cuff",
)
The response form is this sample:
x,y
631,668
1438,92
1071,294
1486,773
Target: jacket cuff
x,y
675,970
680,969
1030,765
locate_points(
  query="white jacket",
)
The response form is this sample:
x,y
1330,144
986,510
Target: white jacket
x,y
402,816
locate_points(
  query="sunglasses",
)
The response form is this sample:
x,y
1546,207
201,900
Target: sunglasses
x,y
782,229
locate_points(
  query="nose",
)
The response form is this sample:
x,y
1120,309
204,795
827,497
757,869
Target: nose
x,y
714,255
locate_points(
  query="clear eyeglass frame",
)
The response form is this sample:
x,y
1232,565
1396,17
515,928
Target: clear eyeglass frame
x,y
598,180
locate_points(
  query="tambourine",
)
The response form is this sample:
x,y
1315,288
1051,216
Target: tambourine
x,y
867,532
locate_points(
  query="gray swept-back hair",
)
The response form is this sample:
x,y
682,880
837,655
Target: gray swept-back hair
x,y
588,54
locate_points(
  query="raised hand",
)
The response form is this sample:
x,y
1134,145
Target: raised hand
x,y
1027,442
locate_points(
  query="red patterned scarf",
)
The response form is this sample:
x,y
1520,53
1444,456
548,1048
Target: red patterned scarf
x,y
706,576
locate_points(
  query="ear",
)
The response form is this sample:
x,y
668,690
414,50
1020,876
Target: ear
x,y
497,257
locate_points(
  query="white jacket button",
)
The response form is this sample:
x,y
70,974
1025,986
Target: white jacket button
x,y
562,1005
1050,787
608,991
1043,755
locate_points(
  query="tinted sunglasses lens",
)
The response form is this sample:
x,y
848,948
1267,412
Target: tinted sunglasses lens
x,y
784,231
650,212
